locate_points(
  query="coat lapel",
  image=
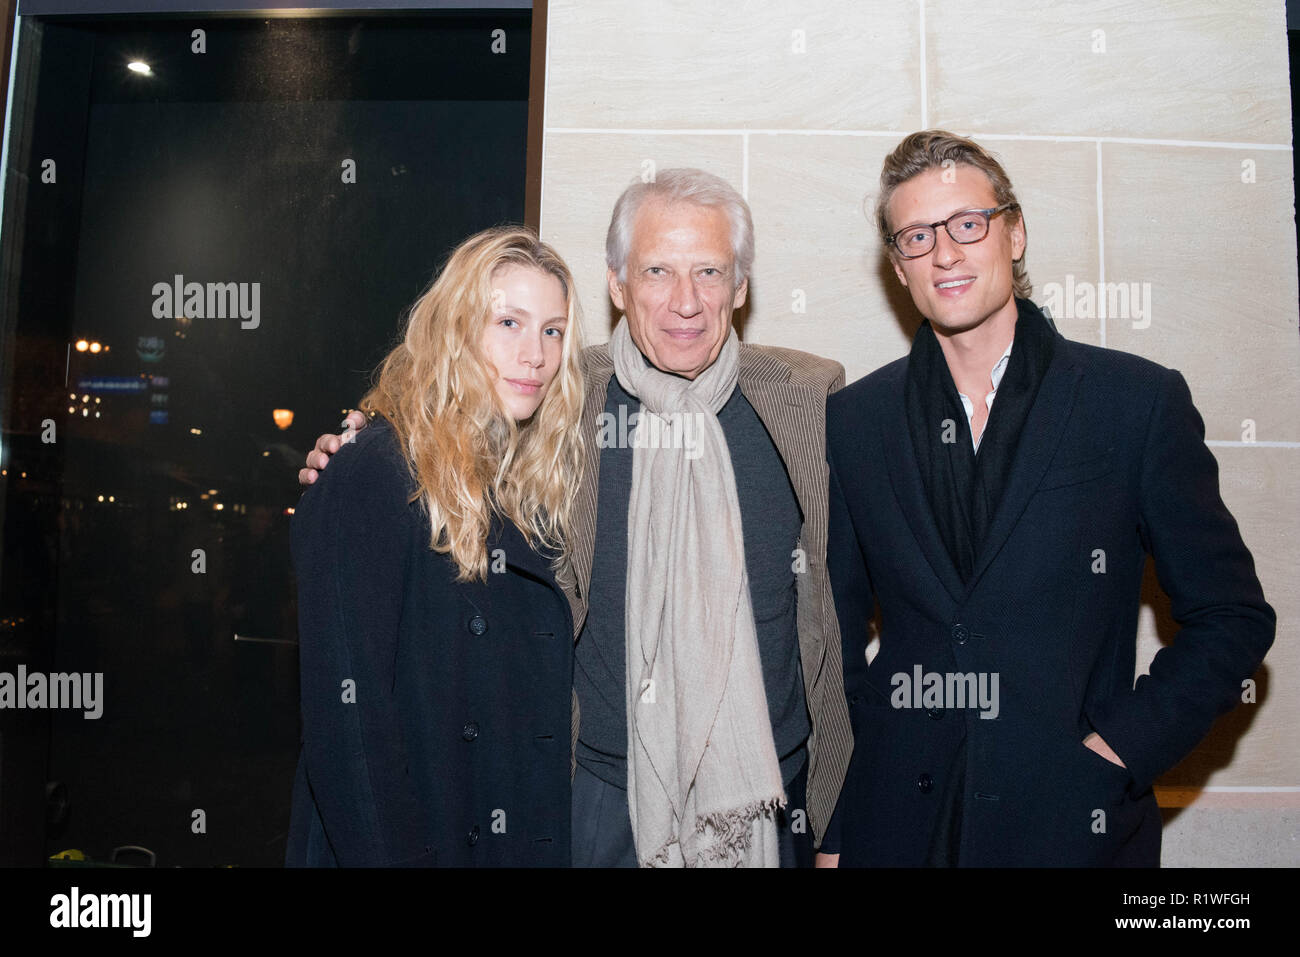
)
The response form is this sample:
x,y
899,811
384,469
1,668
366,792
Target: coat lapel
x,y
1037,445
909,490
505,539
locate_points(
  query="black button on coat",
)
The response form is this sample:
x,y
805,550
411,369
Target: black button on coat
x,y
431,709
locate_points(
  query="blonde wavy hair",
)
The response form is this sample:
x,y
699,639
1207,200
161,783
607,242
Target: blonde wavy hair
x,y
468,457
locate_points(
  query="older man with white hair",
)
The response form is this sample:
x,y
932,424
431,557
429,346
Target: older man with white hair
x,y
707,636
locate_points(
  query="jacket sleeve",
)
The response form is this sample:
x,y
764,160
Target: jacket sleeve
x,y
1208,573
854,604
351,538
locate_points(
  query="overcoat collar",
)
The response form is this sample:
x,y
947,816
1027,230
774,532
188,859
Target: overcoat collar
x,y
504,540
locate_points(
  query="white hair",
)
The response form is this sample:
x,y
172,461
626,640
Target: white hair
x,y
682,185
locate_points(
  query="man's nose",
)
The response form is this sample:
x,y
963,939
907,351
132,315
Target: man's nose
x,y
947,251
685,299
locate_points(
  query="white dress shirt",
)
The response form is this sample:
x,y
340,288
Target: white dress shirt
x,y
996,378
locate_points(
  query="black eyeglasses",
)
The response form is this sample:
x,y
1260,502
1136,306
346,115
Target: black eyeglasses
x,y
968,226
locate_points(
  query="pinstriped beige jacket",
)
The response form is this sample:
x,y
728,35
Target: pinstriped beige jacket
x,y
788,390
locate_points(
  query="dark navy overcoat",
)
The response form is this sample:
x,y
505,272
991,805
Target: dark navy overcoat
x,y
435,714
1111,467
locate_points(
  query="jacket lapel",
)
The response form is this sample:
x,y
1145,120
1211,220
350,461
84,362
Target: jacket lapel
x,y
790,414
1034,451
909,490
795,418
575,575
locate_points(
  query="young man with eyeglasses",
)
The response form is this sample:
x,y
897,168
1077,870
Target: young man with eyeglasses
x,y
997,492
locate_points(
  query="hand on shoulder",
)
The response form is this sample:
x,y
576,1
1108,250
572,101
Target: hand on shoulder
x,y
328,444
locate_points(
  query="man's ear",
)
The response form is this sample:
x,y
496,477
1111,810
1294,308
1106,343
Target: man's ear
x,y
1019,238
898,269
615,289
741,292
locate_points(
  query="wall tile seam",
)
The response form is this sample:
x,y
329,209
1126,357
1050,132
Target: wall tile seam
x,y
899,134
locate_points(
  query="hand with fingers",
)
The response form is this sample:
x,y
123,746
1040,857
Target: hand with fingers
x,y
328,444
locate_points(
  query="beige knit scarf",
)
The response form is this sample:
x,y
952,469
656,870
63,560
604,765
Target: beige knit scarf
x,y
703,779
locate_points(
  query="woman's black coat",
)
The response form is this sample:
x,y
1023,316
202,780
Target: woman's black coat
x,y
435,714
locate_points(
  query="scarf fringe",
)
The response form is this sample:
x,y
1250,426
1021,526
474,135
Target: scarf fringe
x,y
732,834
733,831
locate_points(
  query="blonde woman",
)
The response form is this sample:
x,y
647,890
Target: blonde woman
x,y
436,694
